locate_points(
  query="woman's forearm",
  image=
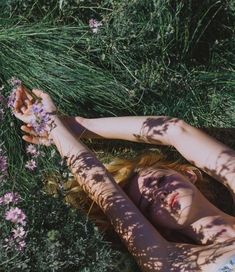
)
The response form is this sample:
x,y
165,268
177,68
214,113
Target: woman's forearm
x,y
202,150
143,241
147,129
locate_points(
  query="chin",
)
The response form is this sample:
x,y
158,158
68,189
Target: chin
x,y
185,215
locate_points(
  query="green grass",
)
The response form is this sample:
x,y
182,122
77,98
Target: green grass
x,y
151,57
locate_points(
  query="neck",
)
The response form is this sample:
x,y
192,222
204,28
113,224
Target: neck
x,y
210,225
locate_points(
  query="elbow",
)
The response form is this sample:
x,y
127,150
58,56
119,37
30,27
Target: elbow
x,y
176,129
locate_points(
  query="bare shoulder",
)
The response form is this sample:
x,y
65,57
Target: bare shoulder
x,y
203,258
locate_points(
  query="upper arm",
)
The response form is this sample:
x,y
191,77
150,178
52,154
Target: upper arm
x,y
202,258
200,149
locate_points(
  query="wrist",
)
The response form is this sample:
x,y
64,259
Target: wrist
x,y
54,124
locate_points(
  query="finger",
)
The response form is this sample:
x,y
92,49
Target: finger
x,y
28,102
18,115
23,109
39,93
36,140
30,139
22,98
18,99
27,93
28,130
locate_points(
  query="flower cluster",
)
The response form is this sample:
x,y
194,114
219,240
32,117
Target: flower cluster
x,y
31,165
42,118
16,217
94,25
15,83
34,152
10,198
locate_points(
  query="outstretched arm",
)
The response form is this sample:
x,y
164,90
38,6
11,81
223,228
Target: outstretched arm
x,y
148,247
147,129
197,147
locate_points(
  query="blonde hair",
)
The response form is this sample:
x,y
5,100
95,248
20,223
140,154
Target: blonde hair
x,y
122,170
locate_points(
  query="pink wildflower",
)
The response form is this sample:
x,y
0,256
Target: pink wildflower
x,y
32,150
19,232
11,198
31,165
15,83
16,216
94,25
11,99
2,200
40,125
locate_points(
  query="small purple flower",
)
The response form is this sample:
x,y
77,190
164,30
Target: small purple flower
x,y
11,99
14,243
37,109
16,216
42,118
15,82
2,200
10,198
94,25
31,165
32,150
18,232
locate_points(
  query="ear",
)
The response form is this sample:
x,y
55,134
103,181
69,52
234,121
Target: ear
x,y
191,175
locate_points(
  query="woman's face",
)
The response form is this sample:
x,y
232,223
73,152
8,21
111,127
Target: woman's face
x,y
165,196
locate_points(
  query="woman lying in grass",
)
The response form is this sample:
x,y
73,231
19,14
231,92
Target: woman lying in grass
x,y
157,194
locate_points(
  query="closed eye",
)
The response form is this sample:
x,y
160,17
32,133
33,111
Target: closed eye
x,y
160,181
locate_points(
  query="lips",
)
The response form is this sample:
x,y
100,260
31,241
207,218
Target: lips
x,y
172,199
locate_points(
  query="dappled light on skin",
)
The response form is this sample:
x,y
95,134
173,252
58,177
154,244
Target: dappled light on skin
x,y
174,257
155,127
94,180
196,258
222,168
191,214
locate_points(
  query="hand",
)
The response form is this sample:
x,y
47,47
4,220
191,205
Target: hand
x,y
25,102
32,137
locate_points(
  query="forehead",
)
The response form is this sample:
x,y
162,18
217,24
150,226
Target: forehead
x,y
137,182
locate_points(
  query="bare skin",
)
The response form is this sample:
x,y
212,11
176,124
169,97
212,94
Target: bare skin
x,y
174,201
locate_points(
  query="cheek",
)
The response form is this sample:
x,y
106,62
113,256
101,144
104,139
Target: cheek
x,y
159,214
